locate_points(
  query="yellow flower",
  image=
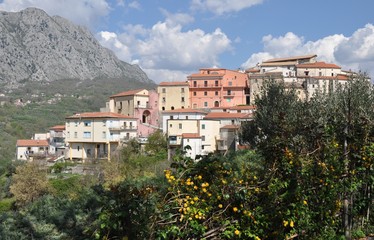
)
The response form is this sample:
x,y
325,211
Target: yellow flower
x,y
195,198
285,223
291,224
235,209
195,187
199,177
305,202
220,205
237,232
257,238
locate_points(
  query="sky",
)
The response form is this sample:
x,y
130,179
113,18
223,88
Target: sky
x,y
170,39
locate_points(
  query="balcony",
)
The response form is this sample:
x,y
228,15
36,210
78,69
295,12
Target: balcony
x,y
142,106
122,128
174,141
228,94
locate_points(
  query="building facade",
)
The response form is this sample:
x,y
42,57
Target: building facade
x,y
97,135
217,87
173,95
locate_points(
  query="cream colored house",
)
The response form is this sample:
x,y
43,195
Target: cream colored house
x,y
28,149
95,135
185,113
173,95
200,135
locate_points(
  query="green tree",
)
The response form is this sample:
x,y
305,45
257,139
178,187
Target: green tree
x,y
29,182
156,144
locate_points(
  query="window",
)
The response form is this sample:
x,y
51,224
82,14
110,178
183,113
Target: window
x,y
182,90
230,83
320,73
87,123
163,90
68,135
182,99
170,125
202,138
194,84
138,103
202,147
171,117
228,92
205,93
205,83
194,93
186,117
76,123
163,108
216,83
216,93
164,99
75,135
86,134
180,125
202,126
205,104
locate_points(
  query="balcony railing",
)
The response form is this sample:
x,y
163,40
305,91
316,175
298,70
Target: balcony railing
x,y
142,106
122,128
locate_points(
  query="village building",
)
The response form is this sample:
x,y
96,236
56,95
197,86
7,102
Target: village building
x,y
97,135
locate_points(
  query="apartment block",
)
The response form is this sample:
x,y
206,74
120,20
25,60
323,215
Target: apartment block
x,y
95,135
173,95
218,87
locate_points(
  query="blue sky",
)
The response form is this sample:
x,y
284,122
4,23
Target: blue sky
x,y
170,39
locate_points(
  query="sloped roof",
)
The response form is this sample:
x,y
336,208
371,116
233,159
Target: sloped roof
x,y
32,143
317,65
226,115
98,115
184,110
243,107
58,128
128,93
190,135
173,83
230,127
294,58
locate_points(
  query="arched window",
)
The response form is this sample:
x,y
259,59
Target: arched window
x,y
146,116
216,104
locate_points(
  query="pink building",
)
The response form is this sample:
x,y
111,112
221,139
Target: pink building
x,y
218,87
141,104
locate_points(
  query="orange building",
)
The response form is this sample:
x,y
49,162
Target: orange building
x,y
218,87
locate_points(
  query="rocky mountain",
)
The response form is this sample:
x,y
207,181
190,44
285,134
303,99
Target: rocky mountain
x,y
35,47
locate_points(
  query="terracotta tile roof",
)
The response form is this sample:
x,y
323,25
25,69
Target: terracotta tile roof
x,y
173,83
32,143
244,107
58,128
206,75
190,135
287,63
225,115
184,110
294,58
98,115
252,70
318,65
127,93
230,127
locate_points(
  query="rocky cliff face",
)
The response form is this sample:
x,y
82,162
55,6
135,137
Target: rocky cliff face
x,y
37,47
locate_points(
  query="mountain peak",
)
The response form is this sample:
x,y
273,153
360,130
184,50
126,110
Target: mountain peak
x,y
37,47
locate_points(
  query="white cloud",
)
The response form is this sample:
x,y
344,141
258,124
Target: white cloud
x,y
166,48
355,52
82,12
220,7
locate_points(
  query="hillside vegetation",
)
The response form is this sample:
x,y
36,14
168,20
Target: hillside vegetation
x,y
309,175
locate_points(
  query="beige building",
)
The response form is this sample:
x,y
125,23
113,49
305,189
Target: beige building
x,y
96,135
173,95
126,103
200,135
28,149
304,74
